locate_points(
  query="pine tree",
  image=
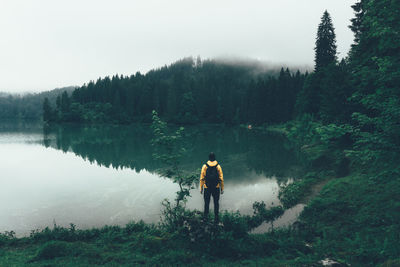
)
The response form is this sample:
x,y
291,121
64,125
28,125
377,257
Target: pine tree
x,y
375,63
356,22
334,94
47,110
309,99
325,49
65,102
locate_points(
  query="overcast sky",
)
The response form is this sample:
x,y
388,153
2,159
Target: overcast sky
x,y
46,44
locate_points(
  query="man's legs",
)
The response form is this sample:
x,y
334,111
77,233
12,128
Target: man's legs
x,y
215,195
207,196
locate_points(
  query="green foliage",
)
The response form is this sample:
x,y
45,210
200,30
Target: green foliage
x,y
293,193
48,113
169,151
326,92
336,89
374,64
57,233
53,249
149,245
361,226
166,145
302,131
325,148
187,112
190,223
333,133
391,263
261,214
7,237
309,98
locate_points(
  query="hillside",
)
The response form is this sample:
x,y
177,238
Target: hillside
x,y
27,106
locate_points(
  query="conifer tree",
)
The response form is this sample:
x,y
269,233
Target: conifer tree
x,y
325,45
309,99
47,110
375,63
356,22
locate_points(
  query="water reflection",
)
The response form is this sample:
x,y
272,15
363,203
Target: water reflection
x,y
44,177
240,151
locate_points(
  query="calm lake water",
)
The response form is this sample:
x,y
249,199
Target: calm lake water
x,y
97,175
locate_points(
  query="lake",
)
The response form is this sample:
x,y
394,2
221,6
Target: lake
x,y
98,175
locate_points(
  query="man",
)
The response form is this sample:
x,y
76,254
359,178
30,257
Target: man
x,y
212,181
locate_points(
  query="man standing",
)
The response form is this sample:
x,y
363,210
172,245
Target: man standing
x,y
212,180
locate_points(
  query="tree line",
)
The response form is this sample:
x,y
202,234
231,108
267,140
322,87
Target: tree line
x,y
361,90
188,91
193,91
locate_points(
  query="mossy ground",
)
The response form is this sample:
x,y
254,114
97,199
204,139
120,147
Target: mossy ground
x,y
110,248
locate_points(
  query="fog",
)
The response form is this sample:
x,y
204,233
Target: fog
x,y
47,44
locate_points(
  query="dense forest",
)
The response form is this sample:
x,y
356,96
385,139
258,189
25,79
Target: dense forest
x,y
188,91
194,91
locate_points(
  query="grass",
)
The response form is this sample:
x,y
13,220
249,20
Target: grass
x,y
148,245
356,218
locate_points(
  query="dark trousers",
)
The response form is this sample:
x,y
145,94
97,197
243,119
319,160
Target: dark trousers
x,y
214,192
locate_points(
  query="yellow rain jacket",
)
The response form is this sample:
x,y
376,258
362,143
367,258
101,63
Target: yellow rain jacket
x,y
203,175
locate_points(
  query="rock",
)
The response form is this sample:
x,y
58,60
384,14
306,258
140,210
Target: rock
x,y
329,262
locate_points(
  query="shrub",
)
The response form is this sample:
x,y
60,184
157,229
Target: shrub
x,y
7,238
53,249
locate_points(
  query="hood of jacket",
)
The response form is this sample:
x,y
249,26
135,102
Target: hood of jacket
x,y
212,163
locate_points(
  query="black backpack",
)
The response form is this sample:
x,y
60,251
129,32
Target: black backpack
x,y
212,176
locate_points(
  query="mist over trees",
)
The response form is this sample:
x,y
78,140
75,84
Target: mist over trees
x,y
193,91
188,91
27,106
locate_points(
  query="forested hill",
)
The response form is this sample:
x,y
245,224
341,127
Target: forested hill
x,y
188,91
27,106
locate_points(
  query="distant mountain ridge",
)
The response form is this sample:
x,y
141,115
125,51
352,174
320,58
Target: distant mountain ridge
x,y
28,105
186,91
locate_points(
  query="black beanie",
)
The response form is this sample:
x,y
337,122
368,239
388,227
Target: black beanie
x,y
211,156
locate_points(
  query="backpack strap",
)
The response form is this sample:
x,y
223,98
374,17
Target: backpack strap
x,y
207,165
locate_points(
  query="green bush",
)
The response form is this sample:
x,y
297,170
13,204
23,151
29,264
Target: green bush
x,y
175,257
7,238
53,249
235,224
136,227
149,244
291,194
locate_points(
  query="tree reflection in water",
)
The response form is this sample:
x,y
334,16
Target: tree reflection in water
x,y
240,151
